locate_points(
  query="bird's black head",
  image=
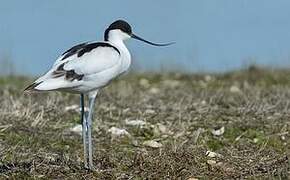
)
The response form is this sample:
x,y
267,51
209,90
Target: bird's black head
x,y
118,25
123,32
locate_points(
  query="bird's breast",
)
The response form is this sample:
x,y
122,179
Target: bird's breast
x,y
125,60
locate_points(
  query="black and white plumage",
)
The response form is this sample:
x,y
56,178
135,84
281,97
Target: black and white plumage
x,y
84,68
87,67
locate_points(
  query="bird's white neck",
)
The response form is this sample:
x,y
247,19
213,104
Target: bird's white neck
x,y
125,54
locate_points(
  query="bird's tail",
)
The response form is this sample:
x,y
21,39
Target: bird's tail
x,y
32,87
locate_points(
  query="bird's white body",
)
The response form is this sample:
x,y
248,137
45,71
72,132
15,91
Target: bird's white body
x,y
87,67
98,67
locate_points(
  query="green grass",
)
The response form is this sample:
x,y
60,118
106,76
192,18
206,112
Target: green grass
x,y
253,105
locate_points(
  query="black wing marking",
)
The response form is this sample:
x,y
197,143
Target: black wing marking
x,y
90,47
83,48
32,86
69,75
73,50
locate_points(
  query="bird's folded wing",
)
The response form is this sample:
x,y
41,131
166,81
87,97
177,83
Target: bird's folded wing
x,y
79,63
95,61
75,67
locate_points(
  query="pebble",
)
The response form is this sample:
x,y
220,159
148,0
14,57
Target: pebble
x,y
152,143
218,132
117,132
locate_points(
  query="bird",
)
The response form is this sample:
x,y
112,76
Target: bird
x,y
86,68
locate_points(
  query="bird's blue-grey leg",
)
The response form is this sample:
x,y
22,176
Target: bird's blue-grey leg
x,y
84,129
92,97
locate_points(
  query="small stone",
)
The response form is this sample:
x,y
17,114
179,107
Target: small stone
x,y
255,140
154,90
162,128
219,164
218,132
212,154
164,136
135,122
283,138
77,129
149,111
203,102
235,89
72,107
117,132
152,143
269,117
211,162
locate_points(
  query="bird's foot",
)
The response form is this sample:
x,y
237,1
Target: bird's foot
x,y
91,168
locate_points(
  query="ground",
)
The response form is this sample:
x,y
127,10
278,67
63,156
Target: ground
x,y
231,125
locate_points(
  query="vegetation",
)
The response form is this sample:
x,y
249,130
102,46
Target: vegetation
x,y
232,125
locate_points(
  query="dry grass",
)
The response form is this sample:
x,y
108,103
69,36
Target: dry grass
x,y
180,112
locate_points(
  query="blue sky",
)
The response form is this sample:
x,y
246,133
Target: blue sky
x,y
210,35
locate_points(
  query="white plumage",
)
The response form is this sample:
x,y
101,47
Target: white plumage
x,y
87,67
98,67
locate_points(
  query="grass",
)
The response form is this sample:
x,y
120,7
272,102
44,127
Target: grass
x,y
180,111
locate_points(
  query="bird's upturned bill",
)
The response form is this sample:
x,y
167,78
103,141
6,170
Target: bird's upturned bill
x,y
154,44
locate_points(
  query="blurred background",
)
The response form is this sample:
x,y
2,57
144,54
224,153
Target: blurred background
x,y
210,36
